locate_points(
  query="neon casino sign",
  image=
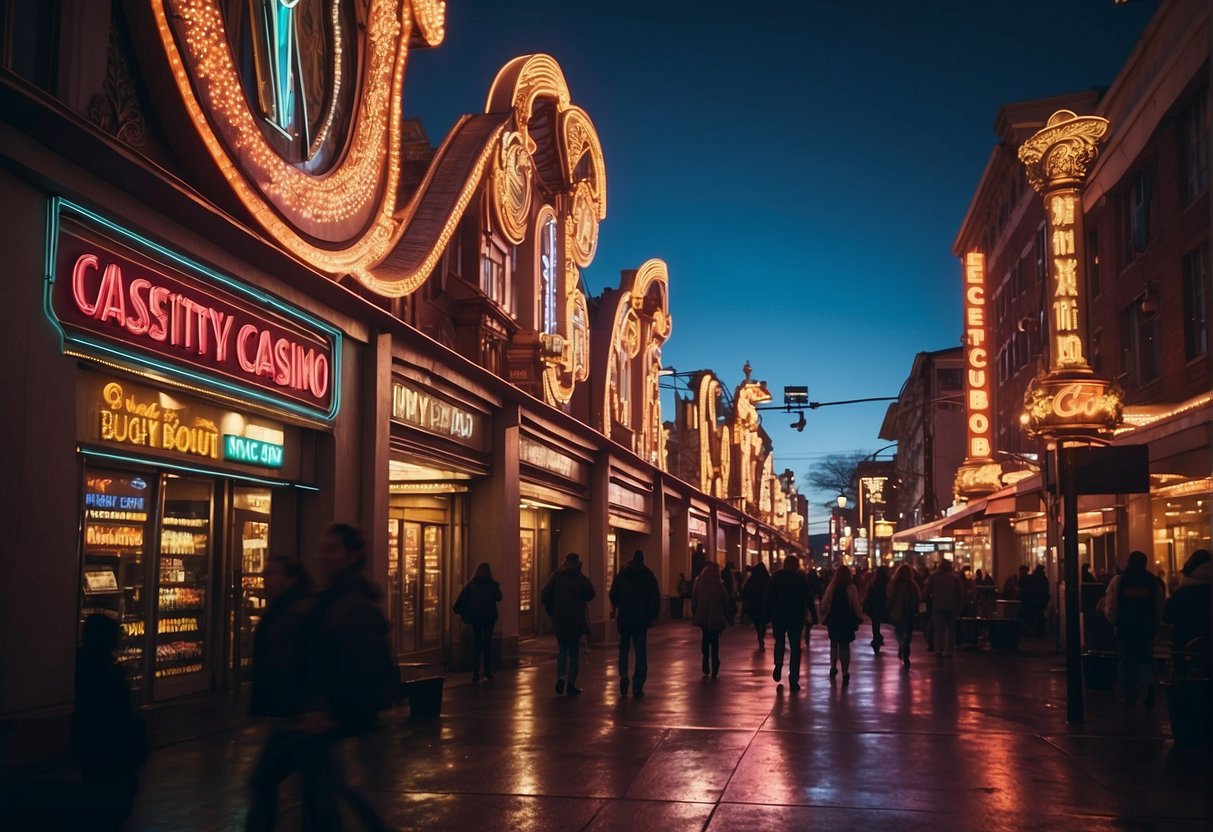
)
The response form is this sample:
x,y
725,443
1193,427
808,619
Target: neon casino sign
x,y
977,358
118,296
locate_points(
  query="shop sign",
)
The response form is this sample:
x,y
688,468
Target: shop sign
x,y
541,456
977,359
138,417
252,451
431,414
120,297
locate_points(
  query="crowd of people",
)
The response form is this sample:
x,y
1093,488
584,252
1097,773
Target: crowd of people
x,y
323,667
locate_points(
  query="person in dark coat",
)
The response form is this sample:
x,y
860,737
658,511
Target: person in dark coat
x,y
1134,604
280,650
636,599
106,729
945,597
566,596
876,604
477,606
347,677
1034,597
709,612
754,601
1187,611
788,601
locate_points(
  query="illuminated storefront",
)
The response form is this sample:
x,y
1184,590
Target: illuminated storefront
x,y
193,398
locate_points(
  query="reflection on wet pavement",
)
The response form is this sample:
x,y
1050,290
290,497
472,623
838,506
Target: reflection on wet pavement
x,y
977,742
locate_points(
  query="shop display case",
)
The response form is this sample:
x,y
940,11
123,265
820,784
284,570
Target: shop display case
x,y
251,527
114,560
183,577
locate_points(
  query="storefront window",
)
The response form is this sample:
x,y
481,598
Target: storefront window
x,y
1181,517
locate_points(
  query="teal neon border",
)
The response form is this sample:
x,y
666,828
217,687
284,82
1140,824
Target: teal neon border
x,y
59,206
189,469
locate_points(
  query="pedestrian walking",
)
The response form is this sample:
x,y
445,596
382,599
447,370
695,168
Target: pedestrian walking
x,y
566,597
477,606
945,595
841,612
636,600
754,601
788,602
1187,611
903,609
1034,597
281,645
709,602
1134,604
876,605
107,731
355,675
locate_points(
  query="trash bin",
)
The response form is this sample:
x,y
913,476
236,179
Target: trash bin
x,y
1003,633
424,695
968,631
676,607
1099,669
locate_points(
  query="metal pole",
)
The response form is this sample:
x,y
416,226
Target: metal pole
x,y
1069,485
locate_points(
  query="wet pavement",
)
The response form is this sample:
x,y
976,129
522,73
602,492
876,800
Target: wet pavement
x,y
975,742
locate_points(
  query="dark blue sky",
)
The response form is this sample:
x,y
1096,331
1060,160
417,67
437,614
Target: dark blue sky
x,y
803,167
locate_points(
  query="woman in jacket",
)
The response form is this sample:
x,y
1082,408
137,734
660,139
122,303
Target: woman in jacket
x,y
841,611
708,602
477,605
903,609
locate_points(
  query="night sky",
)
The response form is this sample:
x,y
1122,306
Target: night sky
x,y
802,167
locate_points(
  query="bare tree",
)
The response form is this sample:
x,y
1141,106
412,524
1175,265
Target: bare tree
x,y
836,473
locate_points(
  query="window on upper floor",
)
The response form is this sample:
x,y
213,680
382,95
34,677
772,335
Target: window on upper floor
x,y
1196,300
951,379
1141,358
29,31
548,276
623,386
1021,276
495,275
1194,149
1094,286
1135,214
1097,351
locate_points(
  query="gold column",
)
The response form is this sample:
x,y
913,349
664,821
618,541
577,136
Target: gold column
x,y
1067,400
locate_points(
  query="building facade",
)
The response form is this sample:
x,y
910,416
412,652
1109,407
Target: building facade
x,y
247,298
1146,214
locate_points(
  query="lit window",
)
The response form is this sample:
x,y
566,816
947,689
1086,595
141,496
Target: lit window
x,y
548,276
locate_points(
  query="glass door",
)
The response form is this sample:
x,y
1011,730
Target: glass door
x,y
117,506
183,578
526,582
410,573
249,551
431,585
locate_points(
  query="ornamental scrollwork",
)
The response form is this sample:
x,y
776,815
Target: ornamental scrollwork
x,y
512,186
1064,149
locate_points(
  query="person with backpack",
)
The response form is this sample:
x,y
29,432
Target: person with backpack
x,y
477,606
1134,604
636,600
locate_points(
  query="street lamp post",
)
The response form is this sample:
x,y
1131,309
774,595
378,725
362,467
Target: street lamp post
x,y
1068,405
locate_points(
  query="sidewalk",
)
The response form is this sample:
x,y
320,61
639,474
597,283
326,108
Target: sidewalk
x,y
978,741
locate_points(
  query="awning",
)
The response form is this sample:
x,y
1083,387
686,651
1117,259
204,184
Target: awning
x,y
963,520
1021,497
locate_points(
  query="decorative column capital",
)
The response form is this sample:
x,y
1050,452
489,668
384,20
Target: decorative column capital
x,y
1063,151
